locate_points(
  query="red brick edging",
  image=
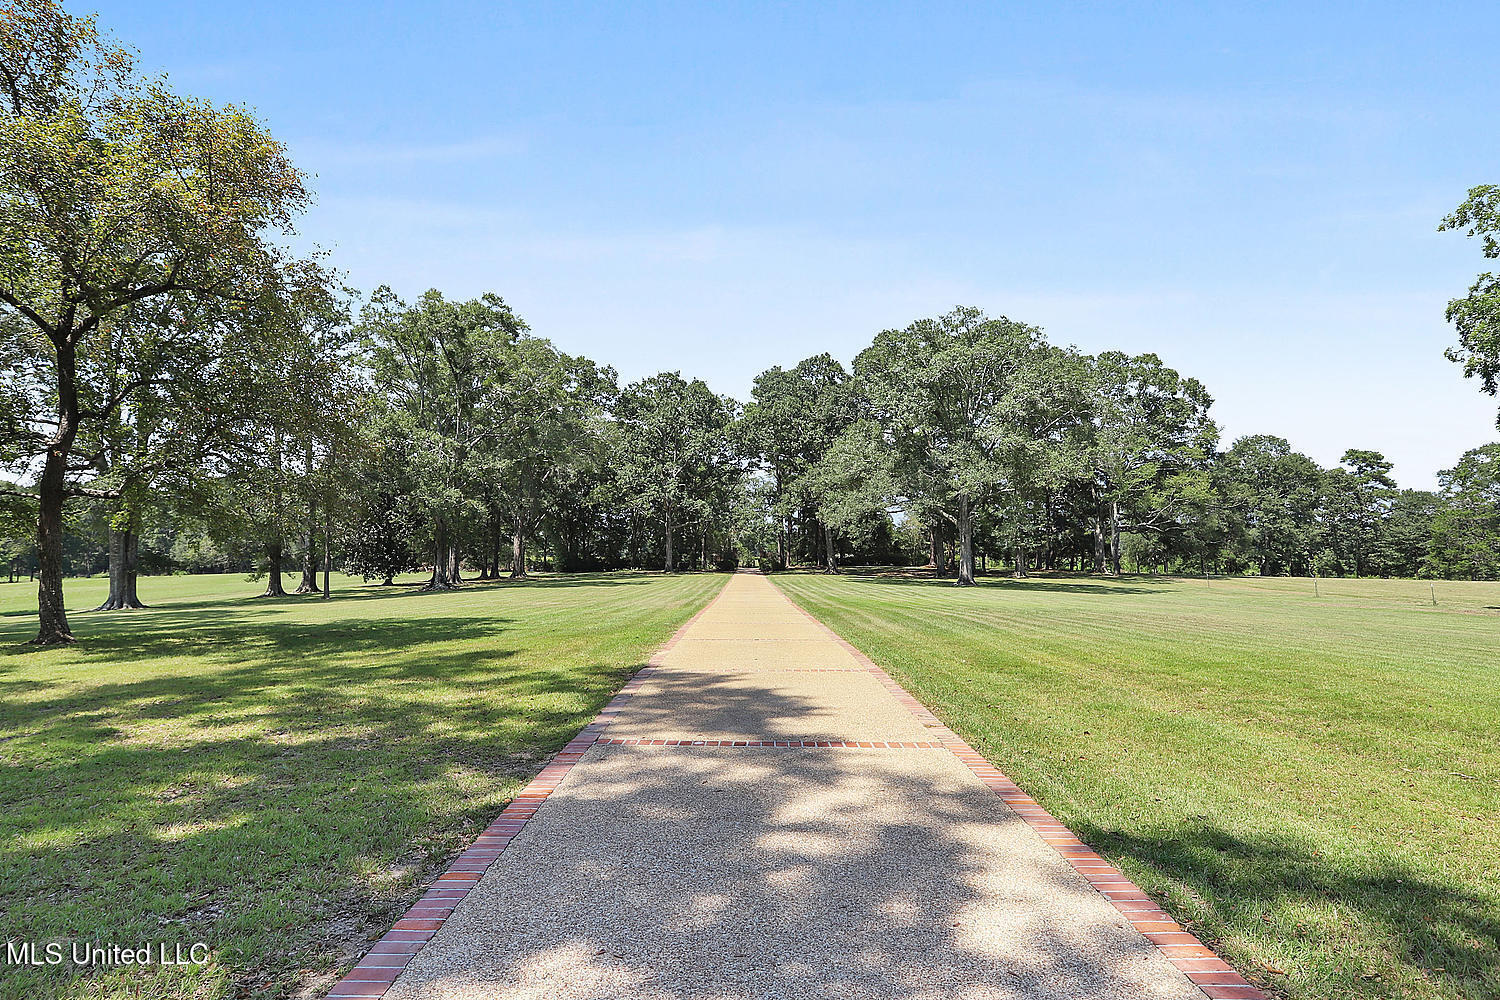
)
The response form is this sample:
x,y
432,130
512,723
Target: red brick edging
x,y
793,744
389,956
1210,973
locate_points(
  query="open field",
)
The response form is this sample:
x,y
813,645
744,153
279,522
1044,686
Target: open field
x,y
279,778
1312,783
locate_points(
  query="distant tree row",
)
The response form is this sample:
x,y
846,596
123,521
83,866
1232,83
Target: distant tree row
x,y
994,445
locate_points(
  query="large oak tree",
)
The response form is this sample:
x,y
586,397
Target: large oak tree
x,y
794,417
975,409
674,461
114,190
444,371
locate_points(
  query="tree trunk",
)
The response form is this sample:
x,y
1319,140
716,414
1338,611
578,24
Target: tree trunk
x,y
309,584
965,543
273,585
1019,570
116,570
52,615
132,568
1099,541
276,544
518,554
443,559
495,536
1114,538
327,551
939,553
830,555
489,569
124,557
667,524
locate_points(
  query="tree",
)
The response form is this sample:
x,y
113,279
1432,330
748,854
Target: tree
x,y
974,408
1476,316
1150,450
442,368
1405,539
791,422
254,504
1466,530
325,391
674,459
189,378
851,486
588,517
551,402
380,539
267,482
1357,498
113,191
756,528
1273,496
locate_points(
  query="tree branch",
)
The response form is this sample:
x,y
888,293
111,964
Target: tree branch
x,y
27,311
84,491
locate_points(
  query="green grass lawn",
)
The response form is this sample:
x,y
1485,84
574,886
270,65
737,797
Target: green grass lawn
x,y
1312,784
279,778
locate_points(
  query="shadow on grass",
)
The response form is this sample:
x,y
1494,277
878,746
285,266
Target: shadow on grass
x,y
279,795
251,600
1045,583
175,632
1438,932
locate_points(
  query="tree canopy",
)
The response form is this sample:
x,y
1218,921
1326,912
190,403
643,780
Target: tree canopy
x,y
114,192
1476,316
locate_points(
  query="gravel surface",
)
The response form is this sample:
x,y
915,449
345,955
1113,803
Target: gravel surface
x,y
735,655
739,873
846,705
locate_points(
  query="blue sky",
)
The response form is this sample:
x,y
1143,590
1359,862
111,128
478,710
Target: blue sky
x,y
1251,191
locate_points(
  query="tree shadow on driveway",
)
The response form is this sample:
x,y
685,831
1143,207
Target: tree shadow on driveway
x,y
668,873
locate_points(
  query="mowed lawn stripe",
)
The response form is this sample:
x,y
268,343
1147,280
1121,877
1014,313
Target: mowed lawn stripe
x,y
1312,783
279,778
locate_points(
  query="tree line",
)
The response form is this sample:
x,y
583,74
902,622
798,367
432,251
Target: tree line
x,y
181,390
